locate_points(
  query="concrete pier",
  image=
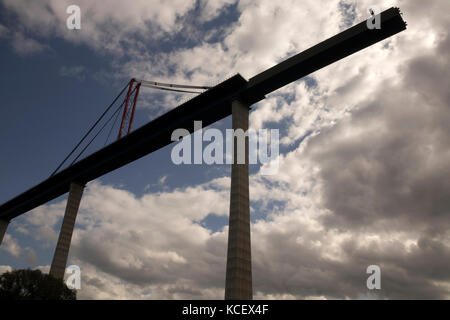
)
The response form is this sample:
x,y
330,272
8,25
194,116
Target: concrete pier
x,y
238,283
59,262
3,226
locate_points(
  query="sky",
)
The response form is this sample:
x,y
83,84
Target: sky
x,y
364,173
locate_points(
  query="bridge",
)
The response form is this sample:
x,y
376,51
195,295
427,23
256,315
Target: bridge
x,y
233,97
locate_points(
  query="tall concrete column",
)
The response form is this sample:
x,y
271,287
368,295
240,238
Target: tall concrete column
x,y
3,226
59,262
238,284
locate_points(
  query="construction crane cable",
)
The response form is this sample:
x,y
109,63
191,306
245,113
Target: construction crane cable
x,y
96,135
145,83
168,89
113,125
101,129
90,130
171,85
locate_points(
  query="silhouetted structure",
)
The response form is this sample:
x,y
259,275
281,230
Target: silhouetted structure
x,y
238,283
59,262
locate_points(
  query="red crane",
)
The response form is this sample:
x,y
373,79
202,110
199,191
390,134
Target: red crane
x,y
134,87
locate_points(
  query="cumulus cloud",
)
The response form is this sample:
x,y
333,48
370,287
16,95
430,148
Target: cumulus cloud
x,y
11,245
364,179
26,46
211,9
103,27
4,269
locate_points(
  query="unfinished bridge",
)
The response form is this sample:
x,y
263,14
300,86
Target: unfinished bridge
x,y
233,97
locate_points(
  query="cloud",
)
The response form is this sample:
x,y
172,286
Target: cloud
x,y
44,269
392,153
77,72
31,256
4,32
26,46
363,179
4,269
103,27
212,9
161,252
11,245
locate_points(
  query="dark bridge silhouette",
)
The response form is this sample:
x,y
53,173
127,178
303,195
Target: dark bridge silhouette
x,y
233,96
